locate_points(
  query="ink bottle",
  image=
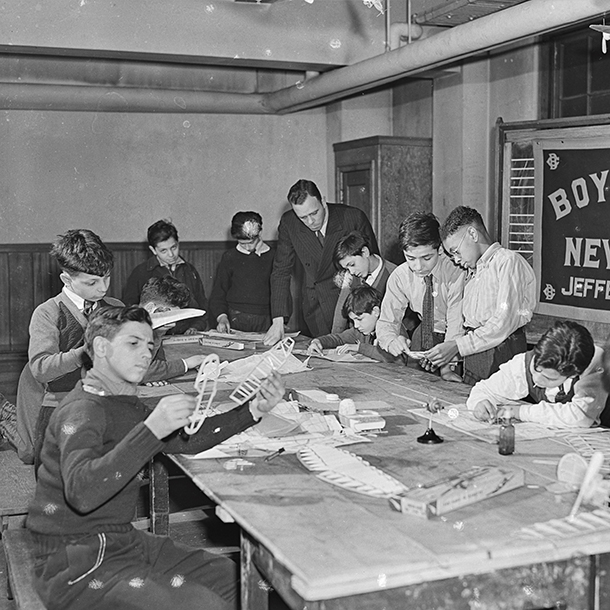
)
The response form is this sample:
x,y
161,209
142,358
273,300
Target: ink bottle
x,y
506,441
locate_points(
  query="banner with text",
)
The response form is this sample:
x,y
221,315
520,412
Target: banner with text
x,y
574,264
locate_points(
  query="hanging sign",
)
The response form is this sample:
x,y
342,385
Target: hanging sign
x,y
573,241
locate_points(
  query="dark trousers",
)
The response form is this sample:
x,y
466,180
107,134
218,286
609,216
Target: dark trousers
x,y
484,364
249,322
135,571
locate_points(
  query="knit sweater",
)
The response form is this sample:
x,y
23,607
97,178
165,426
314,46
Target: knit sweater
x,y
55,358
94,448
242,283
367,345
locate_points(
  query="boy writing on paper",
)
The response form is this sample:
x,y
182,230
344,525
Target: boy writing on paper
x,y
362,308
88,554
561,379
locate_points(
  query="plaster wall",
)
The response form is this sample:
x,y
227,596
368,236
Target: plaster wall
x,y
118,173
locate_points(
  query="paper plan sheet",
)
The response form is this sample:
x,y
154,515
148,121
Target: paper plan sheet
x,y
465,422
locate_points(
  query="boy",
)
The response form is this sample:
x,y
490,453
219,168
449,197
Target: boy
x,y
166,260
431,285
499,297
88,553
362,308
562,378
353,255
241,294
56,351
161,294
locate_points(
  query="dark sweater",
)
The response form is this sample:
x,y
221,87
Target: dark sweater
x,y
242,283
94,448
366,344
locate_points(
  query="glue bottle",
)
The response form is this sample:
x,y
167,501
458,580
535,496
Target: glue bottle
x,y
506,441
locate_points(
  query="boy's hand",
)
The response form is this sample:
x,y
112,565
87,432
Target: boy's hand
x,y
485,410
450,375
222,323
398,346
443,353
270,393
194,361
156,384
348,347
427,365
275,332
315,348
191,331
170,414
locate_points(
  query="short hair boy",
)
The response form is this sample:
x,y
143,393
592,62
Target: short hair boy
x,y
88,553
166,260
240,298
56,352
362,307
357,265
561,378
499,297
161,294
431,286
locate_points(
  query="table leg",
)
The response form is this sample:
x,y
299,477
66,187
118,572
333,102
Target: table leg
x,y
158,496
254,587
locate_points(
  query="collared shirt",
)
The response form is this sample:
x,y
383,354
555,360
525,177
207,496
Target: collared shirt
x,y
406,289
510,384
172,268
325,224
76,299
371,277
499,298
261,248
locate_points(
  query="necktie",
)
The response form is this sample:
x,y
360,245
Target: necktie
x,y
88,308
427,321
320,237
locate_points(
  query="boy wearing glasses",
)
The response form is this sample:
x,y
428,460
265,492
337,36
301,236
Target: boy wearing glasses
x,y
499,297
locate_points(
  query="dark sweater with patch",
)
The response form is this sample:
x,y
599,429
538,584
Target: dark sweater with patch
x,y
94,448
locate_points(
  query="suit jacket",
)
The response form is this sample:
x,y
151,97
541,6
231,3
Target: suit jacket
x,y
318,290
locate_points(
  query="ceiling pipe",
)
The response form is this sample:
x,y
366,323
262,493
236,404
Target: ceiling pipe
x,y
521,21
508,25
86,98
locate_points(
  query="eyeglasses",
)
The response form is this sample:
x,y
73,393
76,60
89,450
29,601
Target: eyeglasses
x,y
453,252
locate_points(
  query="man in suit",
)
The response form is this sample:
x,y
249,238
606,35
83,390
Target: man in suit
x,y
309,232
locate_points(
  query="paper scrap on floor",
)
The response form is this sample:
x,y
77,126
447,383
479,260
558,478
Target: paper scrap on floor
x,y
465,422
310,428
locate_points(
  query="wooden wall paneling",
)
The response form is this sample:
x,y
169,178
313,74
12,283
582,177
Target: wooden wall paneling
x,y
5,320
21,283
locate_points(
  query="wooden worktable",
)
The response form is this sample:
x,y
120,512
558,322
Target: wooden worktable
x,y
325,547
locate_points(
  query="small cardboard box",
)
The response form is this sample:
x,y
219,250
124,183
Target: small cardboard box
x,y
465,488
363,420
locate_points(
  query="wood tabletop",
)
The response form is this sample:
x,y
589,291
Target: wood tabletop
x,y
334,542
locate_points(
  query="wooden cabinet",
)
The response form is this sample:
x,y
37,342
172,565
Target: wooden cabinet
x,y
388,178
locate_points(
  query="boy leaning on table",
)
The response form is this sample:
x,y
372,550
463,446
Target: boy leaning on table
x,y
88,555
561,378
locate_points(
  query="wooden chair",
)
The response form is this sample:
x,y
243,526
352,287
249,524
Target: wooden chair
x,y
19,553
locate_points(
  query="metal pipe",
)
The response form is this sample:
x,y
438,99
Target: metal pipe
x,y
521,21
511,24
86,98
